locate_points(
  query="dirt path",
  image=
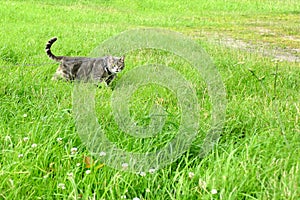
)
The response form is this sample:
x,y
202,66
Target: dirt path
x,y
287,54
263,48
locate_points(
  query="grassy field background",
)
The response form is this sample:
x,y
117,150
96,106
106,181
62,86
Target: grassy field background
x,y
257,157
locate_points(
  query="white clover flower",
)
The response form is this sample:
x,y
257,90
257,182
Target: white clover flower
x,y
136,198
78,164
143,174
74,150
88,171
152,171
70,174
147,190
191,175
102,153
25,139
213,191
20,155
125,165
59,139
61,186
123,197
25,115
7,137
202,184
34,145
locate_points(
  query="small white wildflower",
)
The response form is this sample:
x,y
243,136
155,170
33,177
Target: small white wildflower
x,y
78,164
147,190
125,165
123,197
191,175
136,198
61,186
74,150
151,171
202,184
102,153
34,145
7,137
213,191
59,139
20,155
88,171
25,139
25,115
143,174
70,174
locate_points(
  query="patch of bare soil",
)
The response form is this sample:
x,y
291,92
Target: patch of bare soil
x,y
286,54
265,49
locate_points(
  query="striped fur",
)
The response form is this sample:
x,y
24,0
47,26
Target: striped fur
x,y
84,68
48,50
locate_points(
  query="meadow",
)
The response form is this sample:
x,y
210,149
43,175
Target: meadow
x,y
255,48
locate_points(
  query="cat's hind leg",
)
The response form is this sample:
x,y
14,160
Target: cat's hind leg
x,y
58,74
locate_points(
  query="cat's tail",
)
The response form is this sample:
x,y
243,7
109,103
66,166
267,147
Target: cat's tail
x,y
48,50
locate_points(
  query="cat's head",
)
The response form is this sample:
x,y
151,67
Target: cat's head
x,y
115,64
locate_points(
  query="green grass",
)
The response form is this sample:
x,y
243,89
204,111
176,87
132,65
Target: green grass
x,y
257,156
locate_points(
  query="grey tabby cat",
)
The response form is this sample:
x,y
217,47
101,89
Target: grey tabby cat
x,y
84,68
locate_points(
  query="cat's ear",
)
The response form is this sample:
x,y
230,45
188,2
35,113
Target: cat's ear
x,y
122,58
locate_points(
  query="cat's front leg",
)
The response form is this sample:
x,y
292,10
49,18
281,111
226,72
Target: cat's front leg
x,y
110,79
